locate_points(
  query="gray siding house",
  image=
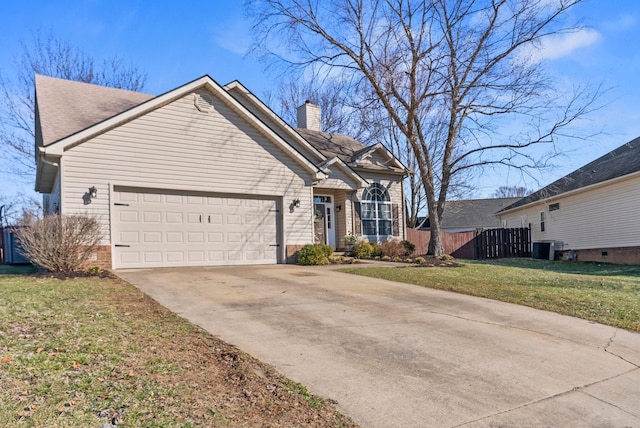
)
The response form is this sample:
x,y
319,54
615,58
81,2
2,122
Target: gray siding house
x,y
207,174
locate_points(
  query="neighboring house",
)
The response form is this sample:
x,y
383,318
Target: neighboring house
x,y
590,214
207,175
471,214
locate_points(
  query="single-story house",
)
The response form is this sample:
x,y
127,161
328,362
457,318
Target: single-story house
x,y
589,214
206,174
470,214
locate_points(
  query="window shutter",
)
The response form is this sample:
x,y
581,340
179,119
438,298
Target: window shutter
x,y
357,222
396,219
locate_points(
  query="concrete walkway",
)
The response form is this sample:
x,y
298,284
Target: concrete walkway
x,y
395,355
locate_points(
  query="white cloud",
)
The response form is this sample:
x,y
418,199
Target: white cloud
x,y
623,23
233,36
561,45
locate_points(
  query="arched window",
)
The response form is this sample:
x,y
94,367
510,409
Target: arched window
x,y
376,212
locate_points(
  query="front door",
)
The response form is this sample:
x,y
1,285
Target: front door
x,y
324,224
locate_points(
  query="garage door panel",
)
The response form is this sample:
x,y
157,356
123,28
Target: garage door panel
x,y
175,256
152,217
129,238
151,198
182,230
174,237
153,257
153,237
215,237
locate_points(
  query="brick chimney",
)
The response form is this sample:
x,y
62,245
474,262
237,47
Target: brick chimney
x,y
309,116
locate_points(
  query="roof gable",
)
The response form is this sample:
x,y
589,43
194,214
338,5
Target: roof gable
x,y
353,152
253,103
56,148
622,161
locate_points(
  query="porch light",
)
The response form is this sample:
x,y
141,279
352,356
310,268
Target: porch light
x,y
338,208
93,192
296,203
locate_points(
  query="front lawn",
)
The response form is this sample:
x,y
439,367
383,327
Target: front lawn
x,y
605,293
92,352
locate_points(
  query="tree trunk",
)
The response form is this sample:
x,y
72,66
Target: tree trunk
x,y
435,243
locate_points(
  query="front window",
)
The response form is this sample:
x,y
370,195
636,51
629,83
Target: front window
x,y
376,212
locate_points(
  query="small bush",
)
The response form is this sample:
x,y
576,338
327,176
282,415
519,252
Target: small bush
x,y
386,258
396,259
61,243
409,247
314,254
408,260
420,260
376,249
393,249
363,250
445,257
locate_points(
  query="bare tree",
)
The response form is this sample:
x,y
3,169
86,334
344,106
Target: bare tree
x,y
336,118
48,55
511,192
455,76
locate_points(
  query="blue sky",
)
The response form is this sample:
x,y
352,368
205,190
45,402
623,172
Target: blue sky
x,y
175,42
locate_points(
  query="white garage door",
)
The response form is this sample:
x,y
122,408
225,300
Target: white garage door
x,y
156,229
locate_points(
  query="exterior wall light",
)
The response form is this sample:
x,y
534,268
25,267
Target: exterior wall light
x,y
93,192
296,203
338,208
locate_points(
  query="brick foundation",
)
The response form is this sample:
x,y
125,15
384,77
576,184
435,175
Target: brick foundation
x,y
621,256
102,258
292,254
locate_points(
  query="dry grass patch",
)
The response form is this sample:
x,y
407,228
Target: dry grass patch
x,y
86,352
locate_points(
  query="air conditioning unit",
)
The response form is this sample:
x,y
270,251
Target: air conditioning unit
x,y
546,250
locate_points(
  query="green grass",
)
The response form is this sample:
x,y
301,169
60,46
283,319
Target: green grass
x,y
604,293
83,352
67,358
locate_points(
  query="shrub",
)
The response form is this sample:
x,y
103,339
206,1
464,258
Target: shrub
x,y
363,250
409,247
408,260
396,259
420,260
61,243
375,252
445,257
314,254
350,238
392,249
386,258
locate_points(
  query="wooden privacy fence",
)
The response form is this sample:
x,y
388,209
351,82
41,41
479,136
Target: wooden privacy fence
x,y
503,243
460,245
484,244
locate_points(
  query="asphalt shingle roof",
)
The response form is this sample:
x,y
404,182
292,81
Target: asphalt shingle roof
x,y
66,107
332,145
473,213
620,162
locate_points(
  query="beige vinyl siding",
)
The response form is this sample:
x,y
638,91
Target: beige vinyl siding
x,y
338,179
178,147
281,131
603,217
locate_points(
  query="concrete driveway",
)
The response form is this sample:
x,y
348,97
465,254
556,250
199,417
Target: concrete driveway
x,y
395,355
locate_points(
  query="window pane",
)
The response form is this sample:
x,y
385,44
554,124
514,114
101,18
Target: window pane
x,y
368,210
385,211
385,227
368,227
